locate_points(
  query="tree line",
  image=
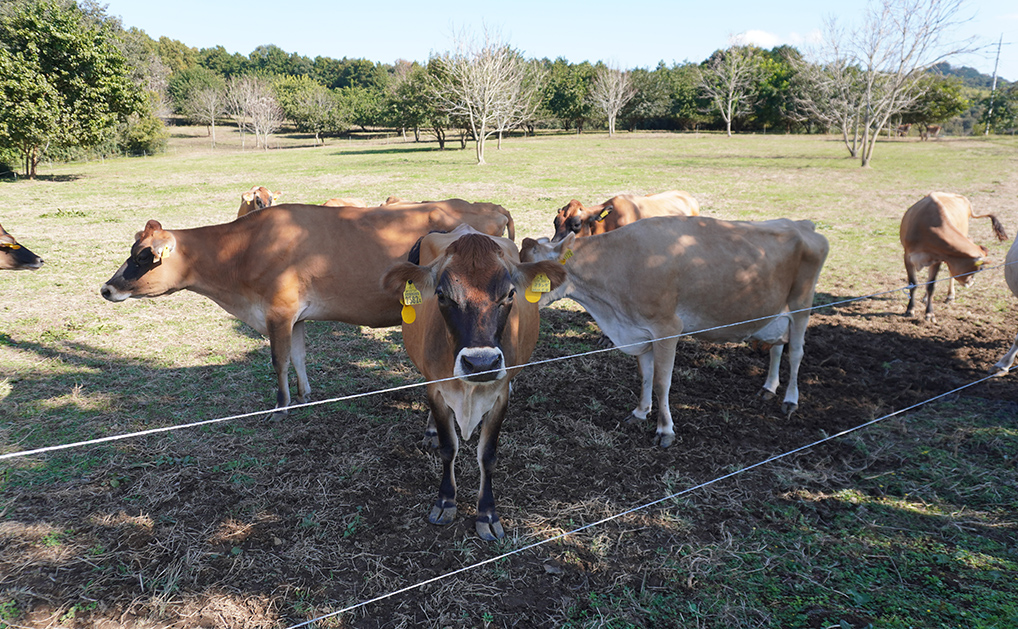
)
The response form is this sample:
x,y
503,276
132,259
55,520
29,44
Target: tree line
x,y
73,79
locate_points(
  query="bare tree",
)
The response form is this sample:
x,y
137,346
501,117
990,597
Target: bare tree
x,y
611,90
729,80
204,105
252,104
482,85
898,41
239,96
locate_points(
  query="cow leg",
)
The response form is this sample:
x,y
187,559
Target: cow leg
x,y
298,352
913,286
664,363
487,525
950,291
796,344
431,432
444,509
1004,364
280,336
773,381
931,284
645,361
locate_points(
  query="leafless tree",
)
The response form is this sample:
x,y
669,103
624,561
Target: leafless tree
x,y
253,104
485,85
729,80
204,105
239,95
610,91
898,41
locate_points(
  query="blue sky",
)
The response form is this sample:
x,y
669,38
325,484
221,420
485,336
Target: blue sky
x,y
627,33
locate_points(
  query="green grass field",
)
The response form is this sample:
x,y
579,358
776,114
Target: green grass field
x,y
913,523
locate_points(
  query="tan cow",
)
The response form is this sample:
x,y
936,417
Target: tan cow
x,y
621,210
1011,277
496,213
931,131
275,269
345,202
14,256
257,198
935,230
661,277
473,326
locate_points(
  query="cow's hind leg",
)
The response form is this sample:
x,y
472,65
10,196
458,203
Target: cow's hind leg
x,y
931,284
487,525
645,361
796,344
913,285
298,351
773,381
444,509
280,335
1004,364
664,363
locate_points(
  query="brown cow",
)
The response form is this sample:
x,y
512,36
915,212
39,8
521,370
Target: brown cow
x,y
257,198
660,277
935,230
474,326
931,131
903,130
1011,277
621,210
275,269
15,256
496,213
345,202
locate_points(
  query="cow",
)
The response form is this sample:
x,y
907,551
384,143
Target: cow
x,y
15,256
495,213
1003,365
935,230
345,202
932,131
661,277
903,130
257,198
621,210
473,329
275,269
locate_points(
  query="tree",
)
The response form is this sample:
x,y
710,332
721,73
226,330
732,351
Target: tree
x,y
312,107
206,104
729,80
63,78
566,92
892,49
482,84
1001,113
611,89
251,102
940,99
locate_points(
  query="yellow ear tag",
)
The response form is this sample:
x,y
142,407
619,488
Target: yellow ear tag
x,y
604,213
565,256
541,284
12,246
411,297
167,250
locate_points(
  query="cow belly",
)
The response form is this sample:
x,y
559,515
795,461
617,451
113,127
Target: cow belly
x,y
470,402
922,259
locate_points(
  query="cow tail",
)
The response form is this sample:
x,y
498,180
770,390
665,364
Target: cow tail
x,y
998,228
510,228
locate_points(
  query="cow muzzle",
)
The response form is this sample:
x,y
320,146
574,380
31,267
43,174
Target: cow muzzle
x,y
110,293
480,364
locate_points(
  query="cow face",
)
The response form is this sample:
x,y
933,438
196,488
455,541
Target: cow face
x,y
543,249
473,287
963,270
145,273
570,220
14,256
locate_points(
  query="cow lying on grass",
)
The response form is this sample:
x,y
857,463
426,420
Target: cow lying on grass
x,y
659,277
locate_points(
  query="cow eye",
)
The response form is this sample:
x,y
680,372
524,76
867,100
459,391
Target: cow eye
x,y
443,299
512,295
145,257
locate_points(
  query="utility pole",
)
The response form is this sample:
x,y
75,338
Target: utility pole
x,y
993,88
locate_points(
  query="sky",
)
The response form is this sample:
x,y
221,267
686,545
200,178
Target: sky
x,y
624,33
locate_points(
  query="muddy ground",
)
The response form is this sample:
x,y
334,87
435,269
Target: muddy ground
x,y
258,524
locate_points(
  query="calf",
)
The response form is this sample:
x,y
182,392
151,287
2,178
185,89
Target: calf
x,y
275,269
15,256
621,210
660,277
471,327
935,230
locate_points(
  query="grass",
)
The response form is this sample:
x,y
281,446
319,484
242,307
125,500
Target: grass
x,y
908,524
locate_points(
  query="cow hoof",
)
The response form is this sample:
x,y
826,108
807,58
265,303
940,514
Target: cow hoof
x,y
489,531
997,371
277,416
442,514
931,318
788,408
663,439
765,394
431,438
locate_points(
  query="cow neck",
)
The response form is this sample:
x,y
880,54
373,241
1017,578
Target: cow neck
x,y
210,255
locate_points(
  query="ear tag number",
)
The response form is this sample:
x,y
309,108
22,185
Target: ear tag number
x,y
541,284
605,212
565,256
411,297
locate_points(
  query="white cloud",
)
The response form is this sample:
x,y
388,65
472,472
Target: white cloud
x,y
763,39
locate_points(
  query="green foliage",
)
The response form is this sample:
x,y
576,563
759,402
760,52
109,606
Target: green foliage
x,y
63,79
942,99
185,85
311,107
566,92
1002,112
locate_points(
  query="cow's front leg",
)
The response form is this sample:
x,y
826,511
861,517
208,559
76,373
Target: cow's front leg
x,y
664,363
444,510
931,284
773,381
280,336
796,350
1004,364
487,525
298,352
913,286
645,361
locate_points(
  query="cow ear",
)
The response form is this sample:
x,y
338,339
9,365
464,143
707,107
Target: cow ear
x,y
163,244
526,273
395,279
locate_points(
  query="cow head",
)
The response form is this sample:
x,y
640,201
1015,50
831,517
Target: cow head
x,y
473,287
963,270
15,256
257,198
146,273
575,219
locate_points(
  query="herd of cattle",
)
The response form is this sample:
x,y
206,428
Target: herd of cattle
x,y
647,268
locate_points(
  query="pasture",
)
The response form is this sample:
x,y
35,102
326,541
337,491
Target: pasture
x,y
249,523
